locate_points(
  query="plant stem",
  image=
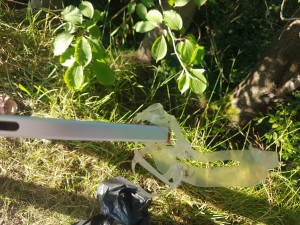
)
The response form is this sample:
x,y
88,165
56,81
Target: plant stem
x,y
174,45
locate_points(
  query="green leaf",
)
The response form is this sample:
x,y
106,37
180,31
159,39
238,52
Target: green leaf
x,y
148,3
179,46
67,58
98,16
98,50
172,20
198,55
74,76
72,14
200,2
154,16
275,136
86,9
180,3
144,26
187,51
183,82
62,42
87,23
70,28
260,120
104,74
94,30
131,7
22,88
192,39
141,10
198,81
171,2
159,48
83,51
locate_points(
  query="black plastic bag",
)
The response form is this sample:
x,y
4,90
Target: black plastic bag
x,y
121,203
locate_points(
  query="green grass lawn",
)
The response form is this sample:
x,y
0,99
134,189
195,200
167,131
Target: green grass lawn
x,y
54,182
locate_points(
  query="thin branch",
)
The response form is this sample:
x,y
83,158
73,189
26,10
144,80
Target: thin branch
x,y
281,13
18,3
174,44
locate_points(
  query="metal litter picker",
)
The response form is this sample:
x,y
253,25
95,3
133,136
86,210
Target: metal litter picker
x,y
172,157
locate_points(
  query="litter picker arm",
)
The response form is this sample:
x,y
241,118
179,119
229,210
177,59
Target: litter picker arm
x,y
60,129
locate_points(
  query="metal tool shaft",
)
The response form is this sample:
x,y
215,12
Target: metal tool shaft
x,y
59,129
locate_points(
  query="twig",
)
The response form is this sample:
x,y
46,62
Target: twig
x,y
281,13
18,3
174,44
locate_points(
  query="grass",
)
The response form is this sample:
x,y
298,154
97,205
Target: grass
x,y
54,182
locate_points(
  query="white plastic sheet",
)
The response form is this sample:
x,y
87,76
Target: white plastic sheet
x,y
171,160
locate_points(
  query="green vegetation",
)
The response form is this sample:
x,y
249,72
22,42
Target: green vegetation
x,y
86,58
54,182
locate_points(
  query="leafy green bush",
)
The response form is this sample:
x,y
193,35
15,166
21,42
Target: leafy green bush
x,y
189,54
284,133
80,47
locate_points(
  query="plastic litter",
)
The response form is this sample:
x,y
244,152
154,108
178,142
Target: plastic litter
x,y
171,160
121,203
124,202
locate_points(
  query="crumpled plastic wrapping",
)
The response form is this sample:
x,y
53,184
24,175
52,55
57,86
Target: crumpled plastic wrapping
x,y
123,202
172,169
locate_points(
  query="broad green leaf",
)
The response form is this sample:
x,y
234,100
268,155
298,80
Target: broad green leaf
x,y
86,9
183,82
192,39
83,51
62,42
187,51
67,58
98,50
198,55
98,16
200,2
179,46
131,7
154,16
159,48
198,81
104,74
180,3
141,10
148,3
144,26
171,2
87,23
172,20
94,30
72,14
74,76
70,28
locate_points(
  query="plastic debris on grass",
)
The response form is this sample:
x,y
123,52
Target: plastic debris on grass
x,y
171,160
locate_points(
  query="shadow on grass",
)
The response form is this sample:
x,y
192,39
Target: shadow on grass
x,y
257,209
57,200
61,201
254,206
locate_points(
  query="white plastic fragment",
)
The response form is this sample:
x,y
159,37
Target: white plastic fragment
x,y
171,168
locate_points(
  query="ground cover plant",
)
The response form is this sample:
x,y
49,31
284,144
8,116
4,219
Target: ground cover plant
x,y
54,182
